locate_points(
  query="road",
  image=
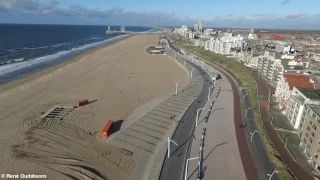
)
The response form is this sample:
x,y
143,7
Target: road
x,y
173,167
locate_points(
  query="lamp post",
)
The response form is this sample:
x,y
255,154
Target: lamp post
x,y
252,134
209,92
241,88
197,118
271,175
169,143
244,97
202,64
187,164
177,84
246,112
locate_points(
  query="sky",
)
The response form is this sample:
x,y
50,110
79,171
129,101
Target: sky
x,y
270,14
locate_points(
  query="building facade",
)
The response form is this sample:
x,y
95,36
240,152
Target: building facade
x,y
309,133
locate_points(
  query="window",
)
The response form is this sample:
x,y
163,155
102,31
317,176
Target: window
x,y
308,146
311,113
310,140
308,128
306,134
314,116
310,122
305,141
314,127
312,134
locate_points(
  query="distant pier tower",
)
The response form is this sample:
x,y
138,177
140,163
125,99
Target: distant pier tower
x,y
123,29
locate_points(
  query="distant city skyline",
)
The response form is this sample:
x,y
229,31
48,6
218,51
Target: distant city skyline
x,y
270,14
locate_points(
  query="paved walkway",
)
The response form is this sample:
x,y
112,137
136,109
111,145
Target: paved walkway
x,y
221,157
147,136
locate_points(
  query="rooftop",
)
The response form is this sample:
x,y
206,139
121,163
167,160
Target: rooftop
x,y
296,68
315,108
298,81
311,93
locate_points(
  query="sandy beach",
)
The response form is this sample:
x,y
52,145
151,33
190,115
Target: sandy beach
x,y
122,81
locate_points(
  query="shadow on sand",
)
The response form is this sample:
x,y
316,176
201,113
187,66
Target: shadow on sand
x,y
116,126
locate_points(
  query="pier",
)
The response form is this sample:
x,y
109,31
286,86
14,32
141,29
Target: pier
x,y
122,31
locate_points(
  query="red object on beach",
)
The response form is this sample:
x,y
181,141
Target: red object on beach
x,y
106,129
266,106
83,102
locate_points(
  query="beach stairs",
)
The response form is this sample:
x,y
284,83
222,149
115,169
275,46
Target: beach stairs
x,y
148,135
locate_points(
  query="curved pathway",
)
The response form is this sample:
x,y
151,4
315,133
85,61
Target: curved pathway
x,y
173,167
221,157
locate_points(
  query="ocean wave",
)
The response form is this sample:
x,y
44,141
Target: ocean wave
x,y
34,48
19,64
59,45
11,61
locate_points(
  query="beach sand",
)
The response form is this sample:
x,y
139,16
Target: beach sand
x,y
122,81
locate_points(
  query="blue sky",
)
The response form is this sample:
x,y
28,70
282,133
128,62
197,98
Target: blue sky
x,y
280,14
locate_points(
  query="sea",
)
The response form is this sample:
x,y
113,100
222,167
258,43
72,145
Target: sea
x,y
25,49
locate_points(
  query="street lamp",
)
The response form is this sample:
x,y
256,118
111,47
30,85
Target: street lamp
x,y
169,142
202,64
209,92
246,112
177,84
244,97
241,87
252,134
197,118
187,164
271,175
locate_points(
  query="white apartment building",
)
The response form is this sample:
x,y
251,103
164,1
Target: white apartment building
x,y
296,105
280,46
269,66
309,133
184,31
224,44
286,84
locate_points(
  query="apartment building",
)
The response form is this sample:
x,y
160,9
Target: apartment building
x,y
286,84
296,104
309,128
269,66
224,45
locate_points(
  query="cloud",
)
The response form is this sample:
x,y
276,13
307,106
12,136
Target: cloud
x,y
296,15
26,11
285,2
54,2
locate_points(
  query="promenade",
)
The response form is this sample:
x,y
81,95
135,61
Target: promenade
x,y
221,157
